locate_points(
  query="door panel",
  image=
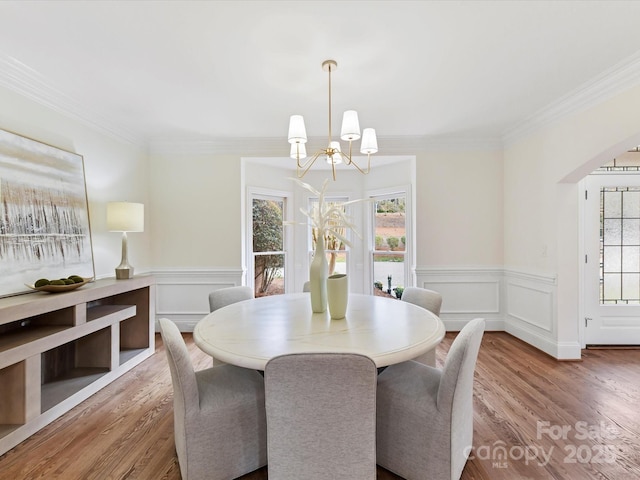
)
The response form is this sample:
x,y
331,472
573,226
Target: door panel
x,y
612,270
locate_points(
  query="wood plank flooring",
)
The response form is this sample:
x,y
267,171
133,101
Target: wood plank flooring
x,y
534,418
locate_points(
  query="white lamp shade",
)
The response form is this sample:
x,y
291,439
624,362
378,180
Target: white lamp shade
x,y
350,126
298,150
369,142
336,158
297,132
125,217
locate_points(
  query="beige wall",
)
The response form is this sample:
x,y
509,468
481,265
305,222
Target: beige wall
x,y
459,209
459,213
114,170
197,215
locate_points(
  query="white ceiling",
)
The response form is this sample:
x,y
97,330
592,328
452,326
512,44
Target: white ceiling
x,y
214,70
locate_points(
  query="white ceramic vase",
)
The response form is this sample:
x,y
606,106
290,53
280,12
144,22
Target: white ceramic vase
x,y
318,273
337,295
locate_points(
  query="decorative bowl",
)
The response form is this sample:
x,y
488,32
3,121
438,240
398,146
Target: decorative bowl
x,y
60,288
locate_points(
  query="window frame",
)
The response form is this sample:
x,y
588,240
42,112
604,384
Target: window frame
x,y
277,195
409,252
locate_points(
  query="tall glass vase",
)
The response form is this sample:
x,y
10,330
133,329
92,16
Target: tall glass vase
x,y
318,273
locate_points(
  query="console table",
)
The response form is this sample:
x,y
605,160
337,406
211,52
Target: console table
x,y
57,349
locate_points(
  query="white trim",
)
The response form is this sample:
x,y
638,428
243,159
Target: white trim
x,y
262,193
558,350
26,81
546,278
405,190
447,270
620,77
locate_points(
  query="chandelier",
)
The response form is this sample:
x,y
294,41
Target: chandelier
x,y
333,153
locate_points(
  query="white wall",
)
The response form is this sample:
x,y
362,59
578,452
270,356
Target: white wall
x,y
541,198
114,170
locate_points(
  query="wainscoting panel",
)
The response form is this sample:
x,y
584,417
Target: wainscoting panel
x,y
530,304
467,293
183,295
530,312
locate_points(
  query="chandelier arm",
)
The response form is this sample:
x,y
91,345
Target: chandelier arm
x,y
348,160
362,171
305,168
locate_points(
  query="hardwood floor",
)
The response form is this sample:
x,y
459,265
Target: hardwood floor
x,y
534,418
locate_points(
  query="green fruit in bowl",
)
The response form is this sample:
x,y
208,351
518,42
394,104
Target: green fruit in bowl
x,y
41,282
67,281
76,278
57,282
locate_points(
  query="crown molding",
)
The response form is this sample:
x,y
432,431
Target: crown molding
x,y
609,83
26,81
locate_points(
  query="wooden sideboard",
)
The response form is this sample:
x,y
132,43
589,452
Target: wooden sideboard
x,y
57,349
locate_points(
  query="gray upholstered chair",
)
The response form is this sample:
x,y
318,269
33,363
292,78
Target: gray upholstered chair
x,y
425,415
321,416
226,296
219,417
429,300
306,287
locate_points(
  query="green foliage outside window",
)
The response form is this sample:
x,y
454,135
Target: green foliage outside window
x,y
267,237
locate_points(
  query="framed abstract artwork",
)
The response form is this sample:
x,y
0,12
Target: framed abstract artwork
x,y
44,215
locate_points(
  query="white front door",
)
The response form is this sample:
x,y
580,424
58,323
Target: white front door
x,y
612,260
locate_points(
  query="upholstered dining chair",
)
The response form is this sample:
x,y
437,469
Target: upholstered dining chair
x,y
226,296
321,416
219,418
425,415
429,300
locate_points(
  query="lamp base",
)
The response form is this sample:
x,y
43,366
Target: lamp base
x,y
124,273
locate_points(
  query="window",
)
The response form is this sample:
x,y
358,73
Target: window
x,y
268,251
389,240
619,245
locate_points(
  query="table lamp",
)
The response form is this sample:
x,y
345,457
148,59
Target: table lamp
x,y
125,217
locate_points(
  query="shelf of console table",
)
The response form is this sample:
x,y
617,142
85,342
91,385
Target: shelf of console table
x,y
57,349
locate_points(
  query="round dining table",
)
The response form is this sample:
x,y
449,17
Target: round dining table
x,y
251,332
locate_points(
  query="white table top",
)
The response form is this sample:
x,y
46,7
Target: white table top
x,y
249,333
